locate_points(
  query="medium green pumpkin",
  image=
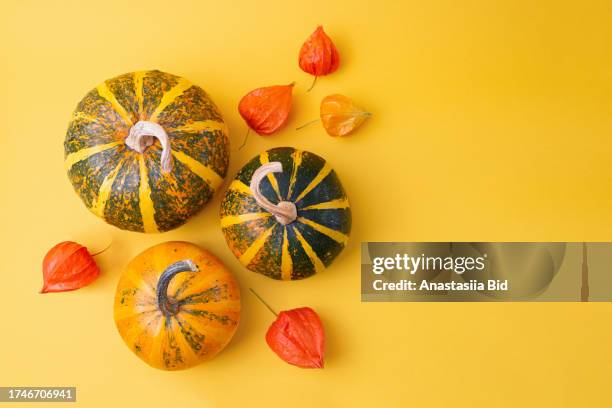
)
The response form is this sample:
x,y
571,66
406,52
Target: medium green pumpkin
x,y
286,215
146,150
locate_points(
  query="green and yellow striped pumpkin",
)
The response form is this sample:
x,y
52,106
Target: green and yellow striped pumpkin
x,y
302,223
146,150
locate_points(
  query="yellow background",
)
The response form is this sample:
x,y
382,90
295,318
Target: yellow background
x,y
491,121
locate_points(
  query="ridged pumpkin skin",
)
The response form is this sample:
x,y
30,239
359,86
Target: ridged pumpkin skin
x,y
207,306
303,247
127,188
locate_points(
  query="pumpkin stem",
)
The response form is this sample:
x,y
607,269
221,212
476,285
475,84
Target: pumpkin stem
x,y
264,302
141,136
285,212
169,306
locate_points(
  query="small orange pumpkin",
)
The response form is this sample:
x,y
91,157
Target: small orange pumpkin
x,y
176,305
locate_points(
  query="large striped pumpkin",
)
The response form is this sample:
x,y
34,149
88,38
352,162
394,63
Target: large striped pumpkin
x,y
301,224
146,150
176,305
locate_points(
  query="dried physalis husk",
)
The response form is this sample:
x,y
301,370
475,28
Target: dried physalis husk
x,y
297,337
68,266
340,115
318,55
266,109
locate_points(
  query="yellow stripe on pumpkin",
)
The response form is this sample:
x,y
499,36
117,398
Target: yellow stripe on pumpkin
x,y
248,255
263,159
204,172
106,93
87,152
147,210
138,91
332,233
297,160
105,191
318,264
169,97
325,170
336,204
229,220
239,187
286,261
200,126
